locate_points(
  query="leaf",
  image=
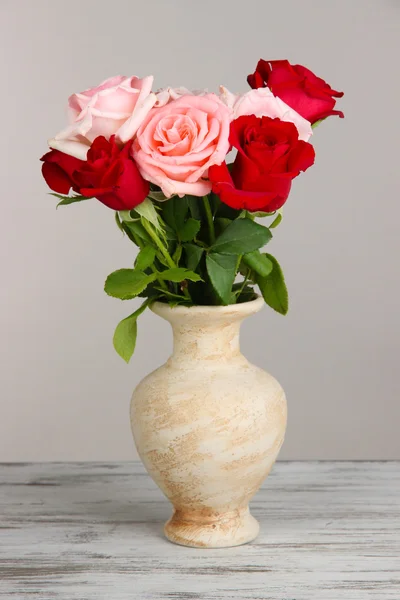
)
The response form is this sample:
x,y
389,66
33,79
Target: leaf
x,y
194,206
125,334
273,288
69,199
276,221
260,214
221,269
127,283
240,237
125,215
215,203
147,211
118,222
137,229
221,224
178,274
258,262
193,256
145,258
157,196
190,229
174,212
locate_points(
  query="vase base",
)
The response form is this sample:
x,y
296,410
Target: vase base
x,y
218,531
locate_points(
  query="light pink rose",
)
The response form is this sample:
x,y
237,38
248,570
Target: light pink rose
x,y
117,106
177,143
166,95
262,103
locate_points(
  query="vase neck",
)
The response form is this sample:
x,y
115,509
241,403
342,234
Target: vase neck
x,y
205,342
204,333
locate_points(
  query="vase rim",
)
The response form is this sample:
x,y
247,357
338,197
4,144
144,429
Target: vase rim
x,y
243,309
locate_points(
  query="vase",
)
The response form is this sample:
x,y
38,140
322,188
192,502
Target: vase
x,y
208,426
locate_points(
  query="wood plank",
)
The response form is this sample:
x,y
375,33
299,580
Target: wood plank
x,y
79,531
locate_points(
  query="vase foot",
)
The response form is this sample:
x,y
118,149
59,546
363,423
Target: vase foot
x,y
197,530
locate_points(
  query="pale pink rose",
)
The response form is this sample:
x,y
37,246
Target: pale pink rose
x,y
166,95
177,143
262,103
117,106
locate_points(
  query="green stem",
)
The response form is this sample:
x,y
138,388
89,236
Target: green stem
x,y
210,219
168,259
240,290
140,243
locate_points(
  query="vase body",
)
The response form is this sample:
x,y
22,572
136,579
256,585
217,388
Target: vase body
x,y
208,426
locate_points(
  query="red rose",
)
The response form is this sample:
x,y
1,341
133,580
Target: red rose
x,y
58,170
303,91
269,156
109,174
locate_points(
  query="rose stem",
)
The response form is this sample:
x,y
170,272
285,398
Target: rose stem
x,y
163,250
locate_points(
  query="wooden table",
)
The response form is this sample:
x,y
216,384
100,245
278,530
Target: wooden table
x,y
79,531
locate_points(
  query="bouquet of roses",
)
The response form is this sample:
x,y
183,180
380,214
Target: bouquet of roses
x,y
160,161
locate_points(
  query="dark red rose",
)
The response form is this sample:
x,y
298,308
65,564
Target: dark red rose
x,y
303,91
109,174
58,170
269,156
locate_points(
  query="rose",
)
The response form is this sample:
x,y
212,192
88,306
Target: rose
x,y
166,95
58,170
177,143
116,107
306,93
109,174
263,103
269,156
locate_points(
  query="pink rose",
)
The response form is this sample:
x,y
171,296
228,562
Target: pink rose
x,y
177,143
262,103
116,107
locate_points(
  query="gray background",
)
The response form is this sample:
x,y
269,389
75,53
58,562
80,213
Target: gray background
x,y
64,392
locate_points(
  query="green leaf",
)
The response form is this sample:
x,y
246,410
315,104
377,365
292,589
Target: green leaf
x,y
178,274
240,237
221,269
194,206
276,221
147,211
190,229
260,214
118,222
157,196
174,212
145,258
125,215
221,224
193,256
125,334
127,283
69,199
273,288
137,229
258,262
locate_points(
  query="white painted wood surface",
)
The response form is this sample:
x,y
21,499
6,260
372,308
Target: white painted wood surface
x,y
329,531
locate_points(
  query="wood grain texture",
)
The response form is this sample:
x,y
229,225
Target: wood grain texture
x,y
329,531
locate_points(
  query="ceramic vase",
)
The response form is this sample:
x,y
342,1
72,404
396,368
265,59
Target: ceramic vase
x,y
208,426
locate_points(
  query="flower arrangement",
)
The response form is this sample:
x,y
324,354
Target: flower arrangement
x,y
160,161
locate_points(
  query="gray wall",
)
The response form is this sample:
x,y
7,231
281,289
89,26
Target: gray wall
x,y
64,392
